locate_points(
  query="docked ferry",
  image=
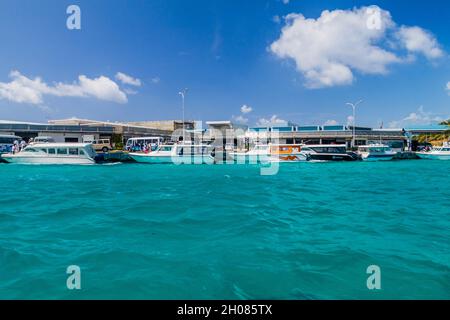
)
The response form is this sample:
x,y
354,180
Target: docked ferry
x,y
332,152
53,153
177,154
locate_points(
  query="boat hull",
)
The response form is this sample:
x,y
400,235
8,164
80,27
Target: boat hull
x,y
46,160
262,158
433,156
378,157
165,159
332,157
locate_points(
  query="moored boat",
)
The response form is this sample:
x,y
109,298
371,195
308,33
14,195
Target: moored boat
x,y
177,154
53,153
440,153
376,152
322,152
264,153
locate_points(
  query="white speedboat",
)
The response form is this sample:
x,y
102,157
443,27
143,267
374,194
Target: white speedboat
x,y
271,153
376,152
177,154
440,153
53,153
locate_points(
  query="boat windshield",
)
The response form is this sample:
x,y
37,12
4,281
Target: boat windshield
x,y
329,149
378,149
31,150
194,150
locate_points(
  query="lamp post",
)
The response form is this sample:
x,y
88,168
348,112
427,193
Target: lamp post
x,y
182,93
354,105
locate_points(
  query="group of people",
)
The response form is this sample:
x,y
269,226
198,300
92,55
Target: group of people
x,y
143,147
19,145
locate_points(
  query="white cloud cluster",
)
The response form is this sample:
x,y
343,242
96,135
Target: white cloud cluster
x,y
246,109
126,79
22,89
240,119
330,123
272,121
418,40
419,117
328,50
448,87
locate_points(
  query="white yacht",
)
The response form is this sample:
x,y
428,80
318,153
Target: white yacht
x,y
271,153
440,153
53,153
376,152
177,154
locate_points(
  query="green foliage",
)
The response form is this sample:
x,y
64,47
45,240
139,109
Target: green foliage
x,y
117,141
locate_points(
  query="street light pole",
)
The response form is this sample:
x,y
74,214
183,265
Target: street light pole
x,y
354,105
182,93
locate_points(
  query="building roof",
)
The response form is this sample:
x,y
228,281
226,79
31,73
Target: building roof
x,y
429,127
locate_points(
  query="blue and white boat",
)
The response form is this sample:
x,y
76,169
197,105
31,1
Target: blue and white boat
x,y
441,153
376,152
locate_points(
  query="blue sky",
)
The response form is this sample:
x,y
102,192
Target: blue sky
x,y
223,52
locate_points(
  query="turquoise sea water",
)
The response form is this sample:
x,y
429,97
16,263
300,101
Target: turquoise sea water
x,y
225,231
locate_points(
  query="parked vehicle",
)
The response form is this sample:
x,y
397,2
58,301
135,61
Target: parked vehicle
x,y
103,145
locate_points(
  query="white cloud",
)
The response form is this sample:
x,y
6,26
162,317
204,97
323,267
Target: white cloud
x,y
272,121
126,79
240,119
418,40
246,109
156,80
328,50
22,89
276,19
330,123
418,117
285,1
448,87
